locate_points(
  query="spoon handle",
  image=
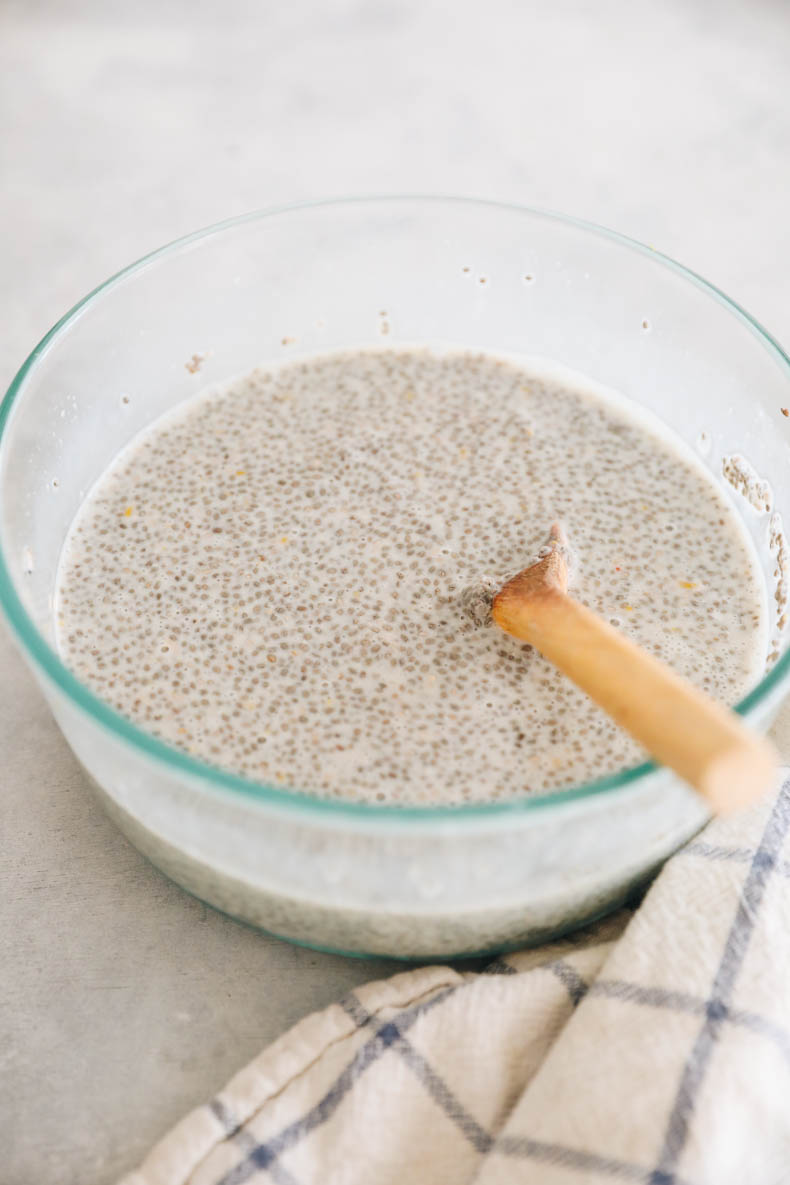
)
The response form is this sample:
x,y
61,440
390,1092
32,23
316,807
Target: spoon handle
x,y
706,744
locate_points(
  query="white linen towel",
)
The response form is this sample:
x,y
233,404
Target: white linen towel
x,y
652,1048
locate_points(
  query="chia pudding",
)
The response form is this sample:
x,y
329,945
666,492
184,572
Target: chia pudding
x,y
287,577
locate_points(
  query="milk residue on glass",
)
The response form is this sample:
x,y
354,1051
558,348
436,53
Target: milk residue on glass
x,y
277,576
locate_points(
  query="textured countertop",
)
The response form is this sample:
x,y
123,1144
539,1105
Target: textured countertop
x,y
124,1002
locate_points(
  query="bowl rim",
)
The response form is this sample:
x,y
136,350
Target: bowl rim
x,y
44,657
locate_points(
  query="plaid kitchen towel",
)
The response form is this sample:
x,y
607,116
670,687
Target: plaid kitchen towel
x,y
653,1048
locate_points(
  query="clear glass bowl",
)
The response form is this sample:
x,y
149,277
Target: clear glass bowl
x,y
416,882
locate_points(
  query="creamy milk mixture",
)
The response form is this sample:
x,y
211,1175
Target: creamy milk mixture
x,y
282,577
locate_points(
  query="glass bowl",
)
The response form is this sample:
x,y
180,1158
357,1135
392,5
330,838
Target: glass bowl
x,y
416,882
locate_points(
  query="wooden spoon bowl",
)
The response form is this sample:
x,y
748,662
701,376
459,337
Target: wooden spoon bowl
x,y
708,745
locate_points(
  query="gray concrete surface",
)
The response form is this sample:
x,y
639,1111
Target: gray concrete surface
x,y
123,1002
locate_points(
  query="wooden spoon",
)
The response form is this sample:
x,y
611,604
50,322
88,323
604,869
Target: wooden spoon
x,y
708,745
